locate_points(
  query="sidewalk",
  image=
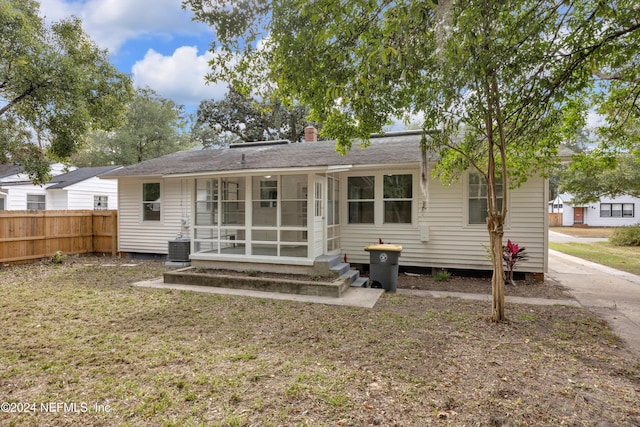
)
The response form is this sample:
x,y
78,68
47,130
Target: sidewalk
x,y
613,294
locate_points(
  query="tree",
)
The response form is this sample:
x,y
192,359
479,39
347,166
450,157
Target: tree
x,y
500,83
239,118
153,127
594,175
55,82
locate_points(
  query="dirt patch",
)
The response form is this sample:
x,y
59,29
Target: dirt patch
x,y
548,288
79,333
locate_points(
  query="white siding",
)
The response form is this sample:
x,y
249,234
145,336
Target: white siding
x,y
57,200
592,216
16,198
449,241
75,196
138,236
438,237
80,195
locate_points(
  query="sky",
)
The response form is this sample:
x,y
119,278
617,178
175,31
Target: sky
x,y
158,44
154,41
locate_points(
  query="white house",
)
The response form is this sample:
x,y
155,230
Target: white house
x,y
272,204
608,212
556,205
77,189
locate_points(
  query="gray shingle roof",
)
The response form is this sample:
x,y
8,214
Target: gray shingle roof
x,y
399,147
78,175
9,169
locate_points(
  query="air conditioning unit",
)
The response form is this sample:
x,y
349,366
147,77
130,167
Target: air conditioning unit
x,y
179,250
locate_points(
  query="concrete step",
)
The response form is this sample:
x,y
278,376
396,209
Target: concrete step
x,y
353,275
330,260
360,282
341,268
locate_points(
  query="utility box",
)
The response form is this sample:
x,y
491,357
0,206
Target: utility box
x,y
179,250
383,265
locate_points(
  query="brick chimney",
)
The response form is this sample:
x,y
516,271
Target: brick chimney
x,y
310,134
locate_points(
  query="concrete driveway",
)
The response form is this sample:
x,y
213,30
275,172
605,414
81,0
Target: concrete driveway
x,y
613,294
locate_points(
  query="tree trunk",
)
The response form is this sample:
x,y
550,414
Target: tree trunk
x,y
495,225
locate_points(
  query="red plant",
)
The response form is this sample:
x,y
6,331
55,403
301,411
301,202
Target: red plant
x,y
511,254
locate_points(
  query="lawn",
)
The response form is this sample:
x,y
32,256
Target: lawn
x,y
585,231
78,339
625,258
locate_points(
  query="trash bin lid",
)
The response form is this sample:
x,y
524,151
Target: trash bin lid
x,y
383,247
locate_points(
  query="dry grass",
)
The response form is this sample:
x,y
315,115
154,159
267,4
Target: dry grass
x,y
585,231
77,333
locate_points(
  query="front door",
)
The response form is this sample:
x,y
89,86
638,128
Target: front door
x,y
578,215
319,246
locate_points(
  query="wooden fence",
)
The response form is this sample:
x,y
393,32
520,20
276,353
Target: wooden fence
x,y
555,220
32,235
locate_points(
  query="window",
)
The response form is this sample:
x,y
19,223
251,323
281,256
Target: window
x,y
151,201
268,192
36,202
360,198
397,196
478,207
333,213
617,210
2,203
277,226
100,202
265,196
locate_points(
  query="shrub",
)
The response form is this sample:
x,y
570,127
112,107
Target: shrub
x,y
626,236
442,276
58,258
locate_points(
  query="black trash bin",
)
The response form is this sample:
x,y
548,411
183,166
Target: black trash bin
x,y
383,265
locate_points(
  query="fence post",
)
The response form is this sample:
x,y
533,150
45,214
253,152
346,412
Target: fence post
x,y
114,233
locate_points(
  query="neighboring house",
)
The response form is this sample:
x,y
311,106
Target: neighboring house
x,y
78,189
556,205
272,205
608,212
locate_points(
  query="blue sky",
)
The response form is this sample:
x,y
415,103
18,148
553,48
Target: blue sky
x,y
157,43
153,40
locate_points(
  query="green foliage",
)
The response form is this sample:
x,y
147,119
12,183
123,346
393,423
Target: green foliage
x,y
55,81
246,119
601,174
503,83
58,257
153,126
626,236
442,276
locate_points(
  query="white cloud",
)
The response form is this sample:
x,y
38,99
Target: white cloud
x,y
594,120
111,22
179,77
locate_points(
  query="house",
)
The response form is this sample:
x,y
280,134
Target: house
x,y
276,205
556,205
607,212
77,189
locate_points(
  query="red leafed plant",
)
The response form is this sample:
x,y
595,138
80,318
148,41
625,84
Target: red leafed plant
x,y
511,254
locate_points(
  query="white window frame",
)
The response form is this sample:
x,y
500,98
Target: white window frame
x,y
607,210
466,183
42,202
100,202
378,199
143,202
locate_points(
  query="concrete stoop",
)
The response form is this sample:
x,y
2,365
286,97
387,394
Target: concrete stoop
x,y
340,278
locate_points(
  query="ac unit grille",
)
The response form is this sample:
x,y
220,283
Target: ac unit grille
x,y
179,250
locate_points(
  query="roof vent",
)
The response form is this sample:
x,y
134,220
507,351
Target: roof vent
x,y
259,143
